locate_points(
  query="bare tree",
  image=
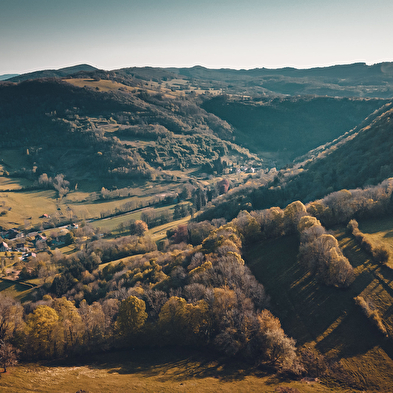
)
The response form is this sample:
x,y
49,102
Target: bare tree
x,y
8,355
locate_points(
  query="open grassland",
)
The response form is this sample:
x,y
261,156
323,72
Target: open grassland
x,y
327,318
112,223
159,233
380,231
12,160
108,86
19,291
26,206
7,183
163,370
102,85
93,210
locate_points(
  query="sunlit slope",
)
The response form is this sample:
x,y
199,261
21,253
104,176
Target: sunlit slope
x,y
328,318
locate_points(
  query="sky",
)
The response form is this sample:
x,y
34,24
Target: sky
x,y
245,34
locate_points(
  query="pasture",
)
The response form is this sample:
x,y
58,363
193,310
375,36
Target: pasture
x,y
327,318
380,231
17,290
148,370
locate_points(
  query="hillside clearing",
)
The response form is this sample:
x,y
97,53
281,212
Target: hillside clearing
x,y
327,318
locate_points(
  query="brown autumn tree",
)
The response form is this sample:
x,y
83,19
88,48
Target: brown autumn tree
x,y
8,355
138,228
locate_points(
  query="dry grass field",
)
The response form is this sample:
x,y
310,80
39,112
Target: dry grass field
x,y
150,370
327,318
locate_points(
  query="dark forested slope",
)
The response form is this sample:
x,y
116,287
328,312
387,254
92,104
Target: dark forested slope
x,y
291,126
361,158
62,72
109,128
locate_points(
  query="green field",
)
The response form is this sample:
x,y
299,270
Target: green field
x,y
327,318
150,370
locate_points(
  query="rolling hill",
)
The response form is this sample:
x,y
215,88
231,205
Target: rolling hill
x,y
350,80
60,73
7,76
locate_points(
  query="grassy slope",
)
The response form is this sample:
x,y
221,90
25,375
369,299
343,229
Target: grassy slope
x,y
26,204
146,371
17,290
30,205
327,318
380,231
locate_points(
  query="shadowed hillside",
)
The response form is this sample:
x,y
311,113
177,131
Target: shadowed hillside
x,y
62,72
359,158
291,126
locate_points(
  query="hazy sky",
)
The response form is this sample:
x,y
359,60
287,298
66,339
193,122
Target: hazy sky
x,y
110,34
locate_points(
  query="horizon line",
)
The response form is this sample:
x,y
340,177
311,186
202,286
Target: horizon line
x,y
202,66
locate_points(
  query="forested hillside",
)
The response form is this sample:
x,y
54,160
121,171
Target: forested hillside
x,y
290,127
359,158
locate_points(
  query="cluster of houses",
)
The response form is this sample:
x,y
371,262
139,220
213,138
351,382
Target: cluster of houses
x,y
11,234
15,235
244,169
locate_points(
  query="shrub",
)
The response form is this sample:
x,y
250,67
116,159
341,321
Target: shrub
x,y
379,252
321,254
371,314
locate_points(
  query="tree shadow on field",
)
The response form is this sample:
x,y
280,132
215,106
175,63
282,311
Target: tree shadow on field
x,y
353,336
172,364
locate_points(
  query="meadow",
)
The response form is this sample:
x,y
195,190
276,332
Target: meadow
x,y
327,318
149,370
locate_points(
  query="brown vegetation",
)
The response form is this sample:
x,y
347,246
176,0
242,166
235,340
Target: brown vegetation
x,y
379,252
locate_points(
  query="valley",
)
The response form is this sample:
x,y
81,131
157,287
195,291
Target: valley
x,y
187,229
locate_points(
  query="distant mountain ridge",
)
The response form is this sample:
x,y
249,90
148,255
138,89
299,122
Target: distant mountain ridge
x,y
60,73
348,80
7,76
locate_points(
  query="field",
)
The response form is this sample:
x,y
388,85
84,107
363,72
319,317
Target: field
x,y
170,88
26,207
150,370
17,290
327,318
380,231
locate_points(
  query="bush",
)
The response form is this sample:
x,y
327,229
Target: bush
x,y
321,254
379,252
371,314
